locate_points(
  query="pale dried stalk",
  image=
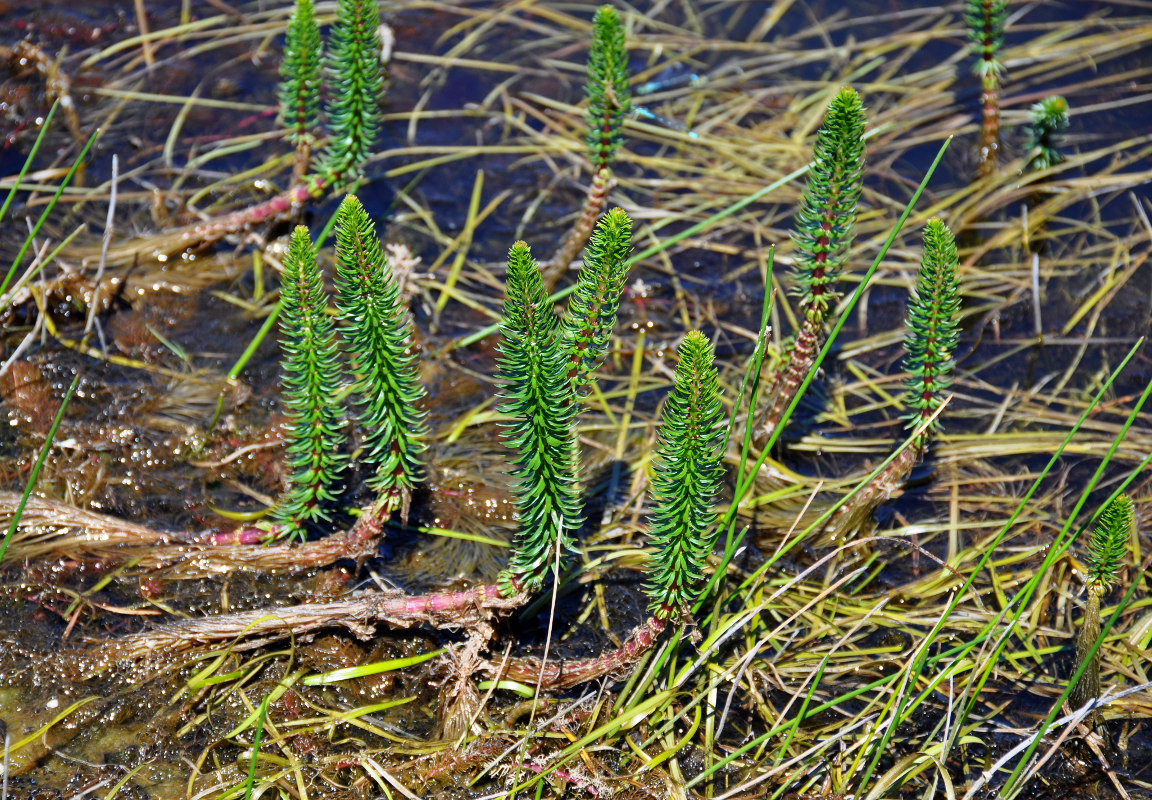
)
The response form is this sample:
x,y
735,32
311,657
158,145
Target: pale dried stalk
x,y
565,674
49,528
594,203
359,614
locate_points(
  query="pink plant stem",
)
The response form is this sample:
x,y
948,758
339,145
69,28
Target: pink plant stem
x,y
594,203
882,487
564,674
243,536
562,775
425,606
788,379
278,207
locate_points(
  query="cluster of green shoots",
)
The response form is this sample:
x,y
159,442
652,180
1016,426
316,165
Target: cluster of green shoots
x,y
375,332
349,78
822,236
546,365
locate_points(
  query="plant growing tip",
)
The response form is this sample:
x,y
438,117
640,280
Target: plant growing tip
x,y
1106,550
931,329
686,476
299,92
311,384
538,397
378,333
1108,543
609,98
1049,121
588,323
355,88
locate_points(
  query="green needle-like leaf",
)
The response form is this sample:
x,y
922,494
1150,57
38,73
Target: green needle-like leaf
x,y
379,336
591,316
931,328
299,92
311,384
609,98
686,475
355,87
539,398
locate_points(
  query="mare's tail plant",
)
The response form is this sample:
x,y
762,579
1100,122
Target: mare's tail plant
x,y
686,473
686,476
609,98
299,92
1105,556
311,384
354,90
588,323
608,102
985,20
822,236
931,334
545,365
378,336
1049,121
539,397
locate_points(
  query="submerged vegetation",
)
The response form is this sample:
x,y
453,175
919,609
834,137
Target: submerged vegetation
x,y
689,526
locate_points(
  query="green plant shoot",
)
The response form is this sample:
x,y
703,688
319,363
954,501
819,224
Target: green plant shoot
x,y
538,397
827,215
1049,121
299,92
311,384
1106,551
606,89
355,87
378,333
588,323
686,476
822,235
931,329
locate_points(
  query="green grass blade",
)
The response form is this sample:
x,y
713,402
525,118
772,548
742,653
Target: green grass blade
x,y
47,210
35,475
